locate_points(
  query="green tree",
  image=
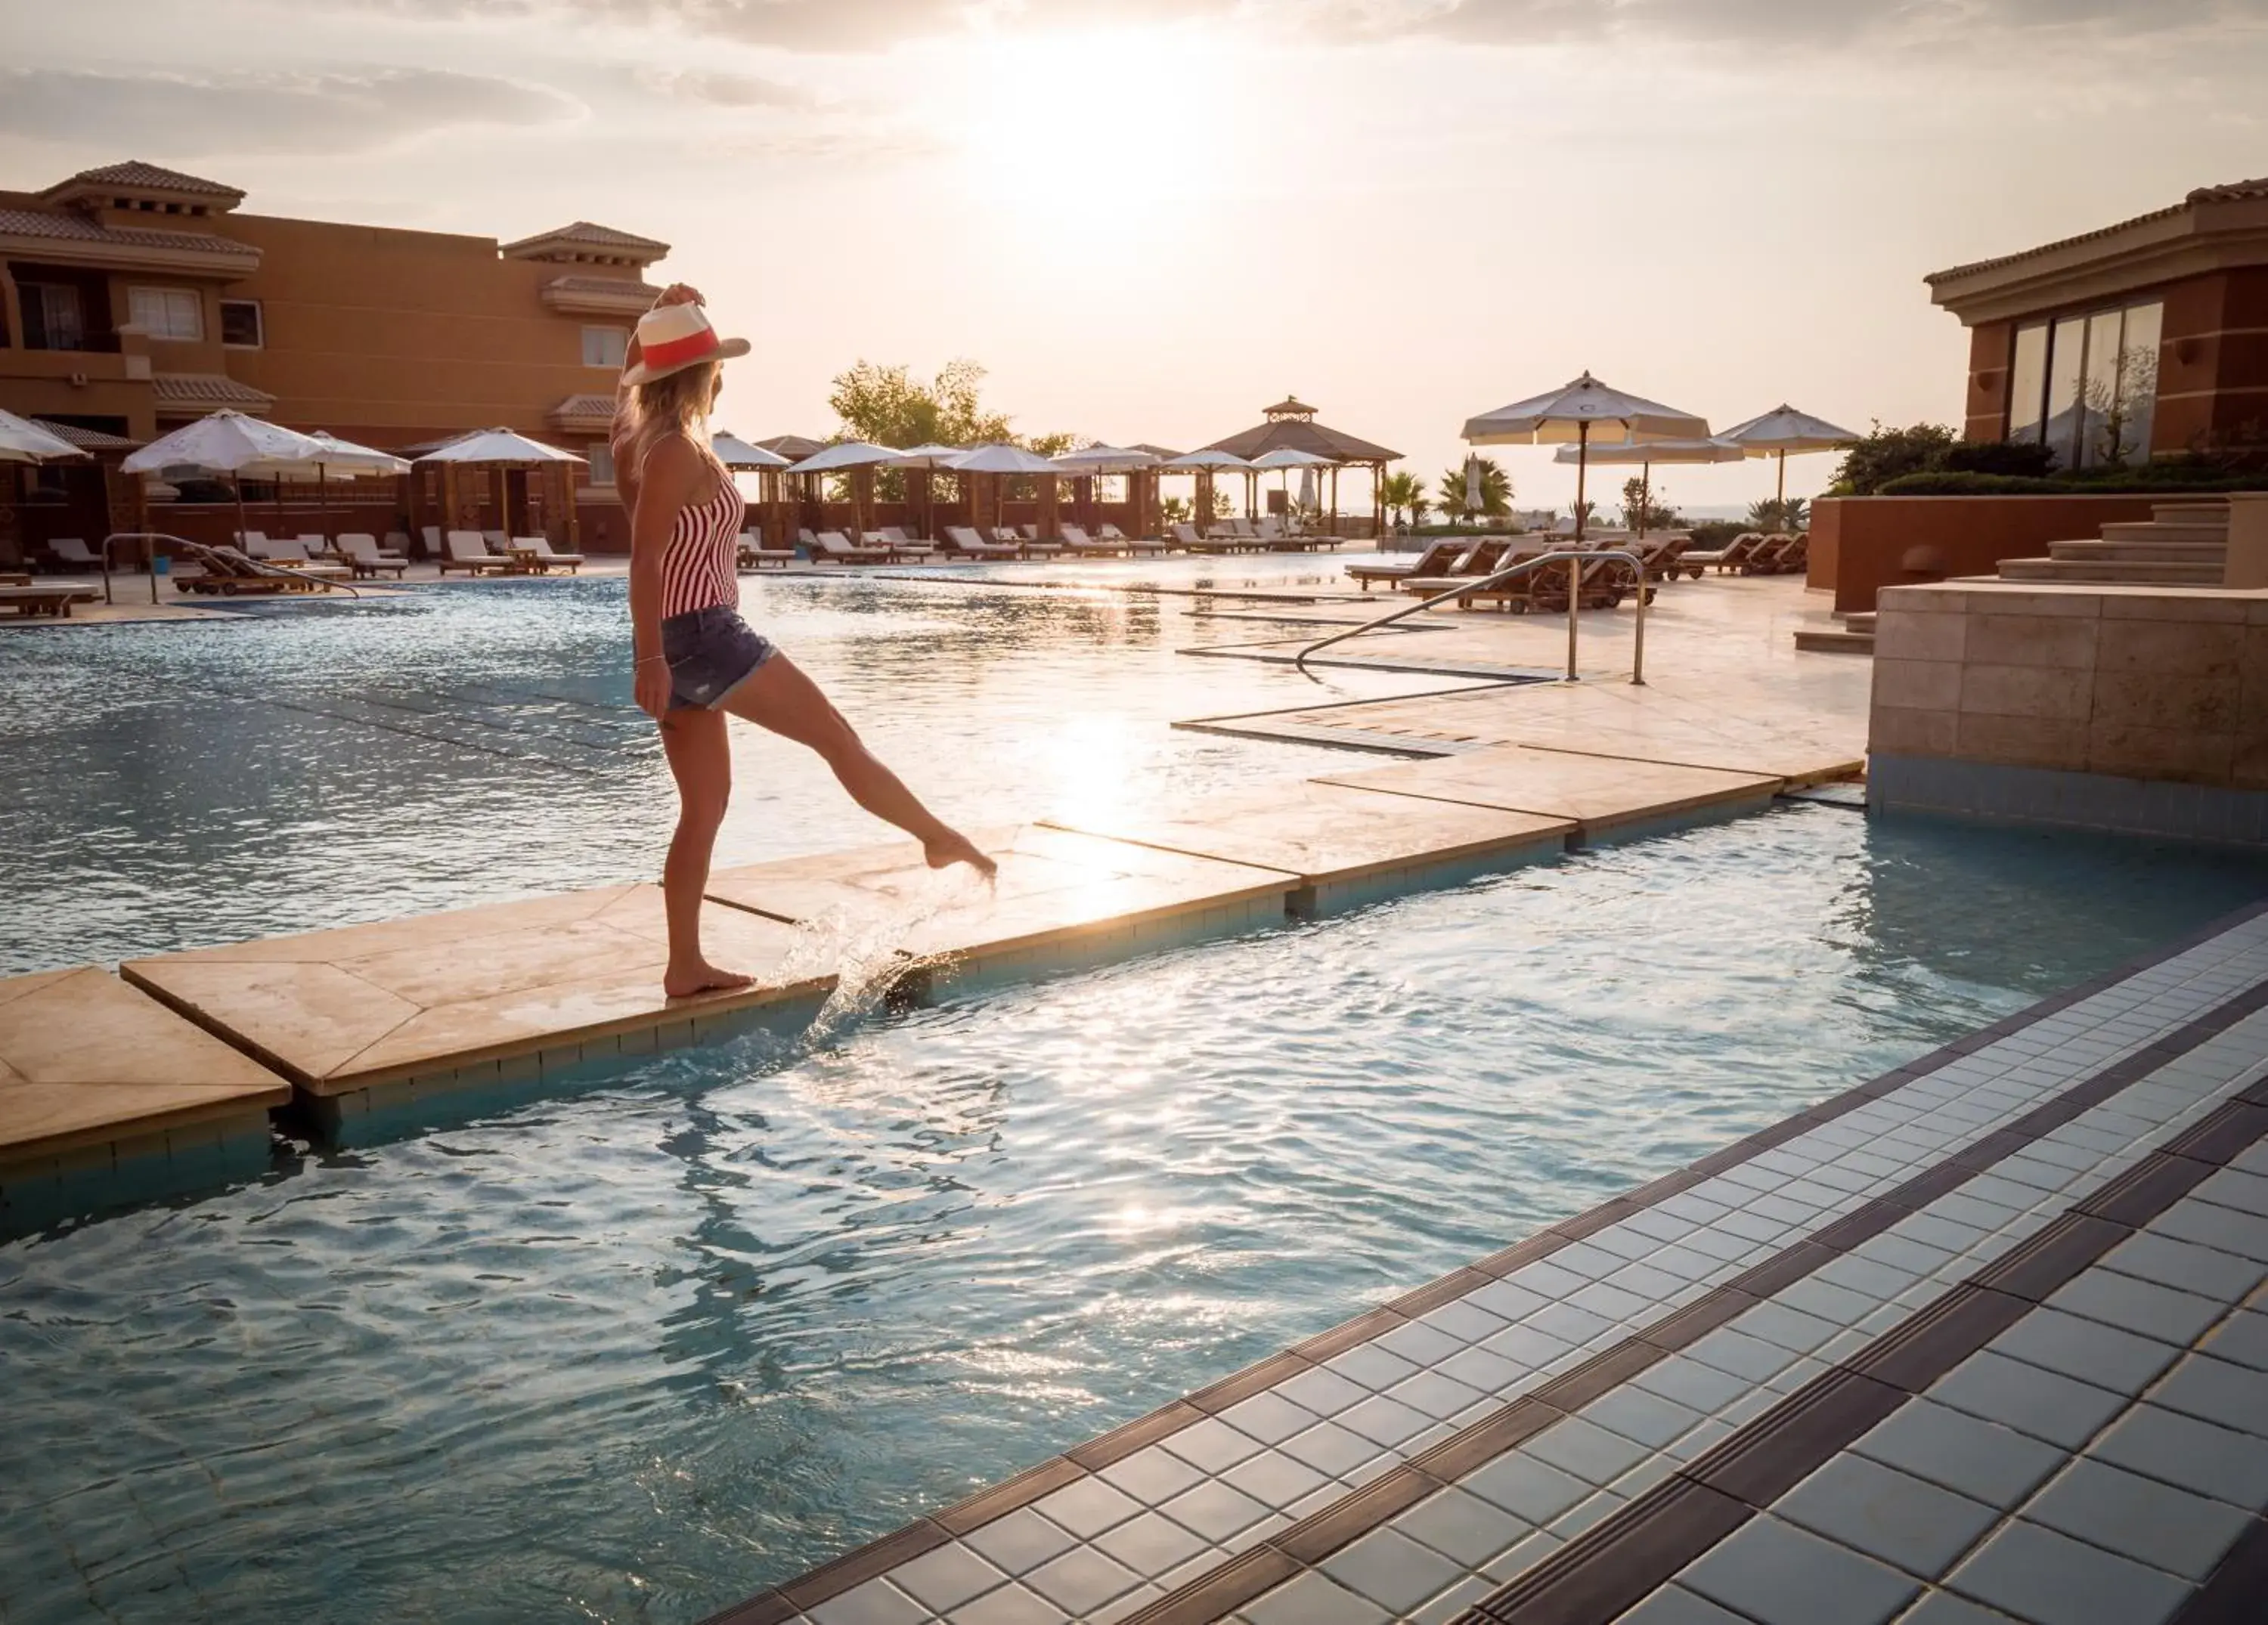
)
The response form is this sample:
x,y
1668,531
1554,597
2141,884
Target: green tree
x,y
1643,506
1773,514
1495,493
1887,453
889,406
1405,497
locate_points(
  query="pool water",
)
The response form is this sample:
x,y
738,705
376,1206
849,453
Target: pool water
x,y
291,767
633,1353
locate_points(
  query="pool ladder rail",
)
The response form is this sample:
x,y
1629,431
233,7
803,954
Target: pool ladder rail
x,y
196,550
1575,562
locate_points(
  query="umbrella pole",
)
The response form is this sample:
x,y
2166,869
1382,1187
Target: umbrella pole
x,y
1782,498
1574,565
1644,495
243,525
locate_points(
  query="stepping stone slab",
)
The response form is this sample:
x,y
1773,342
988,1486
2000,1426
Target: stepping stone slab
x,y
1329,834
1054,888
344,1010
86,1060
1597,792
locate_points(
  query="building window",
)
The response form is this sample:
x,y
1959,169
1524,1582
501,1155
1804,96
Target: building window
x,y
2087,385
605,347
167,312
602,464
240,325
51,316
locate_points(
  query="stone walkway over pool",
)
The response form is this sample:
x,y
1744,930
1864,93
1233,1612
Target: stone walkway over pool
x,y
1985,1339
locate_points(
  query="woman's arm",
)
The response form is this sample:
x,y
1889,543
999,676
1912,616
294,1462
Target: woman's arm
x,y
670,479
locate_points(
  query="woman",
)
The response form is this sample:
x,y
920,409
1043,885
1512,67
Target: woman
x,y
697,658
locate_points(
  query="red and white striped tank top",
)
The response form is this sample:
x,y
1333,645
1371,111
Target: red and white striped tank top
x,y
699,564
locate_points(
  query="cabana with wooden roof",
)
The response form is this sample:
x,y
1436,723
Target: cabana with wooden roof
x,y
1292,422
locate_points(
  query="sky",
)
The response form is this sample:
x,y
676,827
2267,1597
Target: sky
x,y
1148,219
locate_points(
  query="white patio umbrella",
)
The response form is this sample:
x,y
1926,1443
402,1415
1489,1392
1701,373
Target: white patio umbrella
x,y
738,455
1283,459
342,458
1583,411
1095,460
928,458
1004,461
1784,430
23,441
499,449
842,458
1646,453
227,442
1204,463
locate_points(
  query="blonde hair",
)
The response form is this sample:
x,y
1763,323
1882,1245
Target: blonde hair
x,y
675,403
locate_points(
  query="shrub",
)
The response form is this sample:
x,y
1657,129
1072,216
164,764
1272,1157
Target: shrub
x,y
2029,459
2110,482
1886,454
1712,535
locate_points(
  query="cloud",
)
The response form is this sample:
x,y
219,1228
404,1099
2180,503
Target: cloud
x,y
197,115
1817,23
723,90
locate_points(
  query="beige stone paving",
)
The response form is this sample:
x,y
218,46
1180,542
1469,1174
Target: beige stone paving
x,y
1328,832
341,1010
1597,792
1054,886
84,1058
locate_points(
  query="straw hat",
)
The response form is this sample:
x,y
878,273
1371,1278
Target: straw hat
x,y
674,337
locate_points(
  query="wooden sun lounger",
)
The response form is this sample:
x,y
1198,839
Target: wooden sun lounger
x,y
468,551
1732,555
839,550
1079,541
30,601
232,573
70,553
1030,546
546,558
964,541
365,557
1439,558
1186,535
1132,544
1486,558
755,555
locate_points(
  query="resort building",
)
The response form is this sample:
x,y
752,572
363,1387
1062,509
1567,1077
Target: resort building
x,y
2146,337
133,298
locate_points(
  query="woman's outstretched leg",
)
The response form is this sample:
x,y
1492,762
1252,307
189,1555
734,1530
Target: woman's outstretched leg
x,y
701,759
779,696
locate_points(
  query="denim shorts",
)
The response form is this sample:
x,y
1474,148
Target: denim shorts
x,y
711,653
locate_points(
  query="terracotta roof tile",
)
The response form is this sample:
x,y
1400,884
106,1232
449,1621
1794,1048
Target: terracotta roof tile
x,y
604,284
583,233
207,389
2236,192
88,439
77,229
136,173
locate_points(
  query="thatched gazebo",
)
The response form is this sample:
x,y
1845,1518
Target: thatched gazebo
x,y
1292,422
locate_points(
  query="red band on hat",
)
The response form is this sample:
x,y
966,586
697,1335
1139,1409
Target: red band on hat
x,y
692,346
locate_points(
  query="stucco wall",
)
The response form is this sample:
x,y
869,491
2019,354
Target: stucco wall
x,y
1862,544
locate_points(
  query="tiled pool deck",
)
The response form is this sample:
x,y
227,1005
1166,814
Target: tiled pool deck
x,y
1982,1339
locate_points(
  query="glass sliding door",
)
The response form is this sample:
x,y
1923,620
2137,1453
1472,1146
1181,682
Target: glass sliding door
x,y
2027,382
2138,381
2066,407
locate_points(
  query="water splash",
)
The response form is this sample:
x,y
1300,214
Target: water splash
x,y
860,945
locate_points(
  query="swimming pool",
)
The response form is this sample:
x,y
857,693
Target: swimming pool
x,y
290,766
633,1353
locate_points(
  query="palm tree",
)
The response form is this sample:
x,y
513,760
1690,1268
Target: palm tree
x,y
1449,496
1496,492
1795,514
1405,497
1765,515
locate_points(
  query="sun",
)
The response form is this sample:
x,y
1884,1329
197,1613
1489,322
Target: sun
x,y
1116,116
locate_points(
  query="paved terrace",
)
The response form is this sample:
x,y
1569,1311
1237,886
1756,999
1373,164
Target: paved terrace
x,y
1984,1339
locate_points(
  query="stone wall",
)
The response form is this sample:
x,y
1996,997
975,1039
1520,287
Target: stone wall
x,y
2114,707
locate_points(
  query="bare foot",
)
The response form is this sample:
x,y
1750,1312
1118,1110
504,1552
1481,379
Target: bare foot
x,y
701,977
952,848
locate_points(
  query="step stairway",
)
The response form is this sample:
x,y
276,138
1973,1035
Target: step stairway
x,y
2181,544
1855,636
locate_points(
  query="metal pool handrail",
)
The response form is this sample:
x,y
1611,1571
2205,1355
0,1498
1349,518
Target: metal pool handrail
x,y
1575,563
259,567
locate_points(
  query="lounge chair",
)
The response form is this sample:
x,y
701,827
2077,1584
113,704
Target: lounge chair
x,y
465,551
755,555
283,549
1485,557
961,539
48,598
1779,554
546,558
432,536
1088,547
1186,535
231,572
838,549
1028,533
1132,544
1031,547
1732,555
366,557
897,546
1440,559
496,542
1278,540
70,553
